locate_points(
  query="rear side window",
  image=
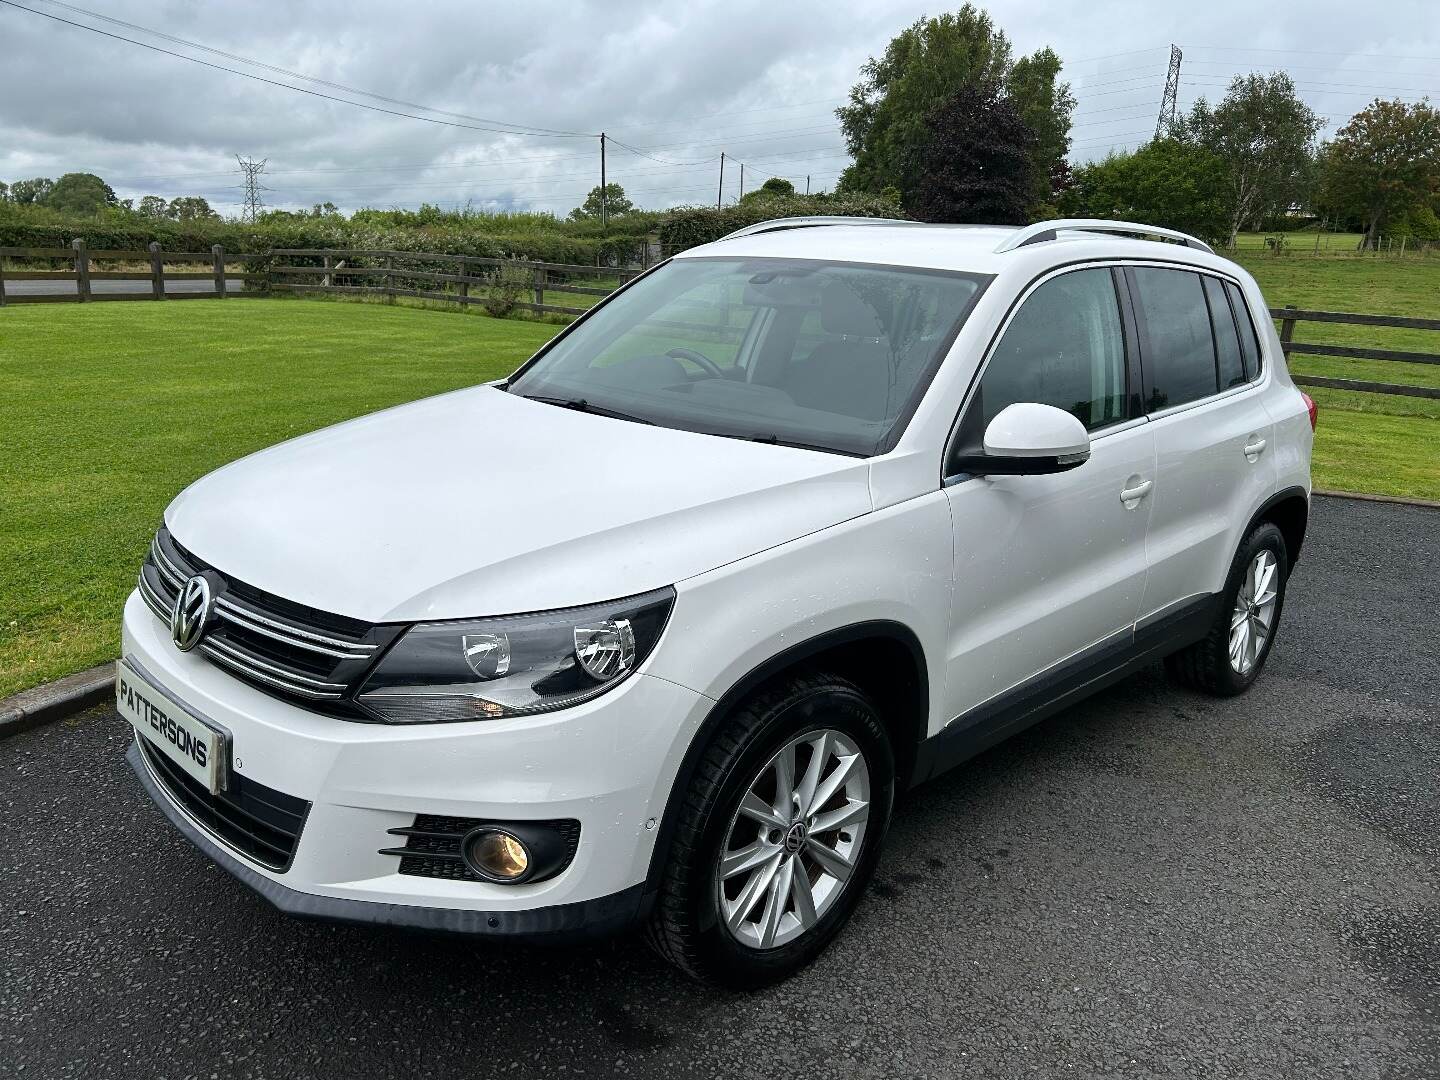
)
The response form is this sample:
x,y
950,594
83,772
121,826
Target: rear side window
x,y
1227,343
1178,348
1249,343
1064,347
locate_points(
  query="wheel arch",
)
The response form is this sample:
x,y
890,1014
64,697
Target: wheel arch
x,y
1289,511
899,684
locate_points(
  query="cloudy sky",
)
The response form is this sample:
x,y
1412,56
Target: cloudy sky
x,y
515,91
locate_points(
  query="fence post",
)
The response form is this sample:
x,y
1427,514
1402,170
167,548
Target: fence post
x,y
217,253
325,279
157,272
1287,330
2,281
464,285
82,270
390,279
540,286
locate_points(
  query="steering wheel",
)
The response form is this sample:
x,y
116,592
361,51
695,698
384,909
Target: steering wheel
x,y
700,360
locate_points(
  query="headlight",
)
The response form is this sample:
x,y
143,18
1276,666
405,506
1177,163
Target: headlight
x,y
514,665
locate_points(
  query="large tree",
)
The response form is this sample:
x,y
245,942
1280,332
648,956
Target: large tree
x,y
190,208
927,63
152,206
615,204
1265,135
30,192
80,193
1167,182
1383,165
976,162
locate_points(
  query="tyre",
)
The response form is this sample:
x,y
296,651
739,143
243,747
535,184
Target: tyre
x,y
778,834
1231,656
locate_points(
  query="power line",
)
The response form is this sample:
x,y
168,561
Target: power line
x,y
302,89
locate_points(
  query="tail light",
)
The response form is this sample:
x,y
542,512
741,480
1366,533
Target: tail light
x,y
1311,409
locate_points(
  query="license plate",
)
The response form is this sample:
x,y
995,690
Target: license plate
x,y
169,727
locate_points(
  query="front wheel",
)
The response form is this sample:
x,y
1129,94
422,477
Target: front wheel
x,y
1229,658
778,834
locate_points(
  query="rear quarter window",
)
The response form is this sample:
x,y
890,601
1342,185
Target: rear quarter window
x,y
1249,341
1177,344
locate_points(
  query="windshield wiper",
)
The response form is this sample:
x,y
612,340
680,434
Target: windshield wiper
x,y
775,440
585,406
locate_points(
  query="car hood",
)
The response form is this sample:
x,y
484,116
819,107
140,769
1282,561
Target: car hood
x,y
483,503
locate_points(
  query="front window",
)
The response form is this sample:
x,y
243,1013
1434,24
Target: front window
x,y
833,356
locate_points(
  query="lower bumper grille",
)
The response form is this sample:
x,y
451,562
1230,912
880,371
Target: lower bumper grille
x,y
432,845
259,822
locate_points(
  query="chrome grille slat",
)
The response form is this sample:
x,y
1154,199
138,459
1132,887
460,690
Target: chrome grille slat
x,y
168,569
208,648
240,656
153,599
291,635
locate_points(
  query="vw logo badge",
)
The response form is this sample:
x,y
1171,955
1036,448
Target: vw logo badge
x,y
191,613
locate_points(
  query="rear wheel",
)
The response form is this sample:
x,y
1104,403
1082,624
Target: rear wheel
x,y
778,834
1230,657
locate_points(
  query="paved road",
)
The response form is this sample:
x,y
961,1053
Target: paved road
x,y
1154,884
67,288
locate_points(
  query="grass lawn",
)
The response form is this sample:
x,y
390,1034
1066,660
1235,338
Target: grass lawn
x,y
1374,443
112,408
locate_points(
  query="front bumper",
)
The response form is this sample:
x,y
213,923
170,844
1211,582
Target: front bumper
x,y
608,763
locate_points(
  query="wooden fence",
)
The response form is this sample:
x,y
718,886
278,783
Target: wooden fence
x,y
499,285
1289,316
83,273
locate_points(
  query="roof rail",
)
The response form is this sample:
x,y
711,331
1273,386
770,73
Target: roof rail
x,y
779,224
1043,231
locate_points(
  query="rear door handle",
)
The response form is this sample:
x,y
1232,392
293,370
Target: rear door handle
x,y
1136,493
1255,447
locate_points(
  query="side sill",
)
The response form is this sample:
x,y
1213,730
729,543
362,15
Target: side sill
x,y
1051,691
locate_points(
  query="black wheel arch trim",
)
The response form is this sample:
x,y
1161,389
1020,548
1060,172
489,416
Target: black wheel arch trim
x,y
792,657
1262,512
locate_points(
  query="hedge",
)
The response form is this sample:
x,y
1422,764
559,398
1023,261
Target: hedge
x,y
690,226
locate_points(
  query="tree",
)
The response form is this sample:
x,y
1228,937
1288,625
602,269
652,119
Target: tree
x,y
975,164
31,192
1167,182
190,208
80,193
615,204
4,191
777,187
1265,135
885,123
1383,165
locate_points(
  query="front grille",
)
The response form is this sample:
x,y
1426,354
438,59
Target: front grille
x,y
285,648
259,822
432,845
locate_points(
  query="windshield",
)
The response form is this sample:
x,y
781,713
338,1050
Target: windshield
x,y
834,356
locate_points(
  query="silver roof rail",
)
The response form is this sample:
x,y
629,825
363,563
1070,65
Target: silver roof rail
x,y
1043,231
779,224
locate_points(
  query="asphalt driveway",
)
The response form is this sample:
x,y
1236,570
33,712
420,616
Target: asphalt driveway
x,y
1151,884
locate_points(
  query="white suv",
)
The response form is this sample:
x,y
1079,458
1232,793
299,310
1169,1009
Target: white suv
x,y
656,630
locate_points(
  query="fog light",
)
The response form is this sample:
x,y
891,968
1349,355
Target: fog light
x,y
497,855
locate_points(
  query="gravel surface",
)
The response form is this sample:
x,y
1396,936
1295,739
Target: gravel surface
x,y
1152,884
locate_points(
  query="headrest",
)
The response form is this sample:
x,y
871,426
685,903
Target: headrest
x,y
842,311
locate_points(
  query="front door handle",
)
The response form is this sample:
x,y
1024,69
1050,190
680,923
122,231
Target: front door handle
x,y
1255,447
1135,492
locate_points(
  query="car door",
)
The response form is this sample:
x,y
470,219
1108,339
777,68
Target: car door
x,y
1049,570
1212,431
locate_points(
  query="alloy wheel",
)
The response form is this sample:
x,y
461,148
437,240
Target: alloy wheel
x,y
1253,617
793,842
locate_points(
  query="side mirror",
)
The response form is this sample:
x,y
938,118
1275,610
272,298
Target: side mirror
x,y
1027,439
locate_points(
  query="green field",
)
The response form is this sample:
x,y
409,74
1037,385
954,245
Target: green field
x,y
110,409
1375,443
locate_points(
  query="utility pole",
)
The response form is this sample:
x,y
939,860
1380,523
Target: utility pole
x,y
1169,103
720,195
251,171
742,179
604,204
807,183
